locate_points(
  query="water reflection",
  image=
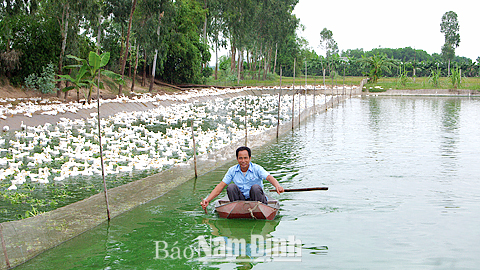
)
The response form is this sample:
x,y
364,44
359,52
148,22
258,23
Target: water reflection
x,y
448,144
241,228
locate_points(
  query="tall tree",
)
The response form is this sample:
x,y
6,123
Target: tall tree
x,y
450,27
328,43
127,46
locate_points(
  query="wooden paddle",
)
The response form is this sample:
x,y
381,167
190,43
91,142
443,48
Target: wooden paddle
x,y
300,189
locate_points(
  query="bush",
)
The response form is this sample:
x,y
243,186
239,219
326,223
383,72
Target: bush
x,y
44,83
207,72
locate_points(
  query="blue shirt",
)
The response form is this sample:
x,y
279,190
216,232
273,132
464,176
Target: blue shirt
x,y
255,175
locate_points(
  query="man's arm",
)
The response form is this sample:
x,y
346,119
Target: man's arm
x,y
275,183
215,192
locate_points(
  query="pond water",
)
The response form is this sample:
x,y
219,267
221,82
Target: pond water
x,y
404,193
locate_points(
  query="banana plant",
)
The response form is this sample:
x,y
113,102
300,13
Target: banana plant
x,y
88,72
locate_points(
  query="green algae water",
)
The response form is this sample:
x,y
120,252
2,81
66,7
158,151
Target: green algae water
x,y
404,193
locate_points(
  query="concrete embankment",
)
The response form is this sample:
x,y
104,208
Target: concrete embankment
x,y
29,237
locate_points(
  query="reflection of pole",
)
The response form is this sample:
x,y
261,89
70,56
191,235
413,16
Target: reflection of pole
x,y
325,89
101,151
279,94
7,262
299,104
344,80
194,152
305,73
314,90
246,135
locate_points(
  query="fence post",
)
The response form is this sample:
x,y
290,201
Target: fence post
x,y
246,130
293,96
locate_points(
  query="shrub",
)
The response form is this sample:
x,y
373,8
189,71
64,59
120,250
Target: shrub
x,y
44,83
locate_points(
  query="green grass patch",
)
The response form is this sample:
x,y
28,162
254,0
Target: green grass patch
x,y
470,83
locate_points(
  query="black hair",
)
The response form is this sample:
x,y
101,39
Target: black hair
x,y
243,148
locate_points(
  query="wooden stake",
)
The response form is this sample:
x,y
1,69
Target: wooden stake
x,y
101,151
194,152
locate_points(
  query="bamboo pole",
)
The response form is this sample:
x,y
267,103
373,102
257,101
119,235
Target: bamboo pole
x,y
4,247
101,151
279,95
300,189
194,152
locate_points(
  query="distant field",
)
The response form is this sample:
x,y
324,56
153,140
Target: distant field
x,y
289,81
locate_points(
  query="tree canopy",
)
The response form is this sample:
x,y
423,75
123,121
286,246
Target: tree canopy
x,y
178,35
450,28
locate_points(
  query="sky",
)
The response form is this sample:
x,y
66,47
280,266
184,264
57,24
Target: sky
x,y
371,24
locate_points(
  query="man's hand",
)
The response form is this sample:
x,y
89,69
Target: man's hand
x,y
204,204
275,183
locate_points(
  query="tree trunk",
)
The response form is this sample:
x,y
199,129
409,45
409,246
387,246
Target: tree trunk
x,y
216,59
269,60
239,66
135,70
144,77
265,66
152,80
254,63
67,85
64,30
275,65
259,65
150,89
124,61
232,59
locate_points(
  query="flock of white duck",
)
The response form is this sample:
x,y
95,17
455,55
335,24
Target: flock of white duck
x,y
143,140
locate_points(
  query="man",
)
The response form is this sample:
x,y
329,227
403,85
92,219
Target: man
x,y
247,180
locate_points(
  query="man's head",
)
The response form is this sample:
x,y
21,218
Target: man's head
x,y
243,157
244,148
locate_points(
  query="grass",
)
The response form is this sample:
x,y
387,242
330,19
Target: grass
x,y
470,83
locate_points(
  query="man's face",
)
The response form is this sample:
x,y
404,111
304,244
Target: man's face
x,y
243,160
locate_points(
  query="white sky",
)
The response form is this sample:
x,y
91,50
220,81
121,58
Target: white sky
x,y
369,24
